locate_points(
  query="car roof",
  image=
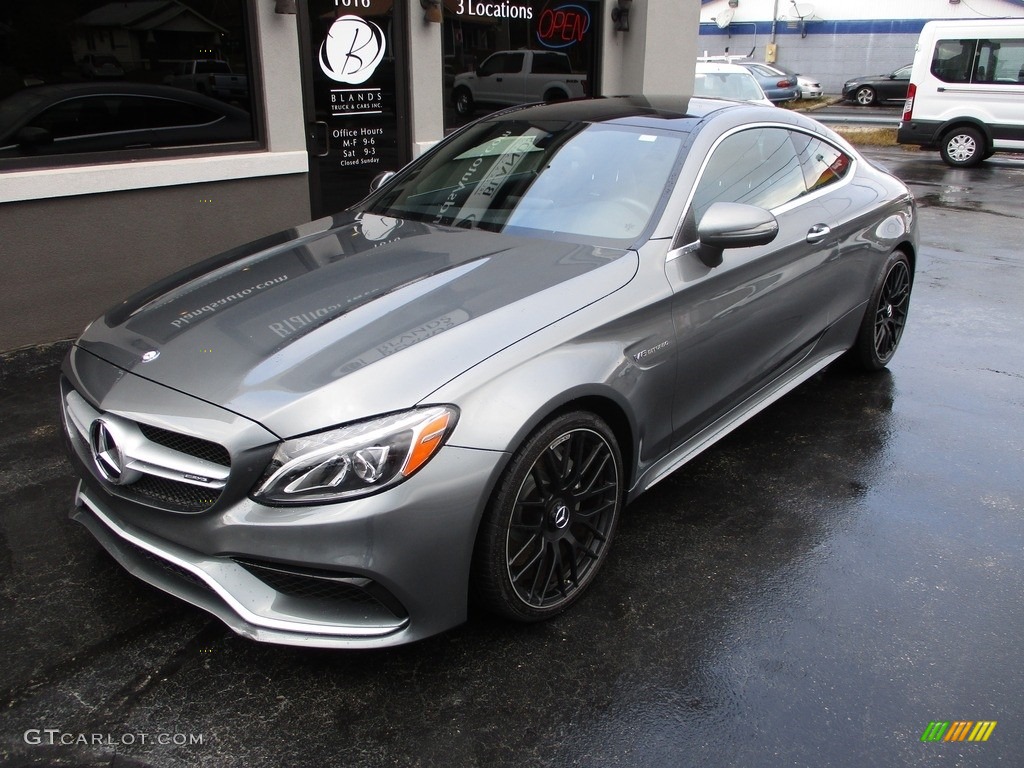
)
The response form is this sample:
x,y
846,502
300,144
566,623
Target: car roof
x,y
671,112
720,66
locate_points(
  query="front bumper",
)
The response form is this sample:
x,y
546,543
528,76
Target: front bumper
x,y
376,571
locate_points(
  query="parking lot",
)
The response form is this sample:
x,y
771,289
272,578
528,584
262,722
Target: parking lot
x,y
815,590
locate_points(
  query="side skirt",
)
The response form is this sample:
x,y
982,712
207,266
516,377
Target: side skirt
x,y
745,411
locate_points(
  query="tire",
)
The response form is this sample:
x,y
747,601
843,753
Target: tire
x,y
886,315
554,95
865,96
550,523
963,147
464,102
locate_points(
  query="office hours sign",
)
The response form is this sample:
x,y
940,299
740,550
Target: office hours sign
x,y
354,47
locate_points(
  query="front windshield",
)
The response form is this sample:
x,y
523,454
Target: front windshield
x,y
587,181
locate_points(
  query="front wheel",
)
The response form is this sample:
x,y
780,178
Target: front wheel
x,y
963,147
550,523
464,102
865,96
886,315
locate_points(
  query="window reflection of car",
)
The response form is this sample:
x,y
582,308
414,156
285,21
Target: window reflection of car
x,y
507,78
727,81
100,117
98,67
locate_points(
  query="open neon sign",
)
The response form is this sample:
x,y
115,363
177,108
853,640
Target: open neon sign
x,y
563,27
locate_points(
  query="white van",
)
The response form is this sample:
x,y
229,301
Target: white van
x,y
966,94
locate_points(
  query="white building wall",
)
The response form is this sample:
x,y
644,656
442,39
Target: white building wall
x,y
834,40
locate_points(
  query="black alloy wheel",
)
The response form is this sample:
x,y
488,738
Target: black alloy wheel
x,y
552,519
886,316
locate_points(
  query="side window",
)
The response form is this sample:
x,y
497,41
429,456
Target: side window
x,y
952,60
502,64
164,113
76,117
757,166
1000,61
821,162
551,64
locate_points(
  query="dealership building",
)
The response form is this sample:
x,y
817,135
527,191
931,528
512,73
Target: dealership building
x,y
141,136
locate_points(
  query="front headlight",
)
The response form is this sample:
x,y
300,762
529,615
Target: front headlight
x,y
355,460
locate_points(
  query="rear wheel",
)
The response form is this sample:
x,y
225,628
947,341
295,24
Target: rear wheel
x,y
886,315
963,147
549,526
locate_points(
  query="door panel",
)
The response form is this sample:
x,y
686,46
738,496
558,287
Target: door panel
x,y
744,322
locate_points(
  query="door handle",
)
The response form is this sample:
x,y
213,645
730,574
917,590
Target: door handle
x,y
818,232
327,137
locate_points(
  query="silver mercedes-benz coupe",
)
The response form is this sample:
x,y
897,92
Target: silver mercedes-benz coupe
x,y
344,434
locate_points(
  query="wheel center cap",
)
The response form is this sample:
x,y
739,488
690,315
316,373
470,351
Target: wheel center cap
x,y
888,310
560,516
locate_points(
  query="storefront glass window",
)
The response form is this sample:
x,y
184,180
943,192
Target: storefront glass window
x,y
81,79
498,54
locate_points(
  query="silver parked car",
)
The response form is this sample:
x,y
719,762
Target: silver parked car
x,y
340,435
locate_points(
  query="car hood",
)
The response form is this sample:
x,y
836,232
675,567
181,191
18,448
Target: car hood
x,y
348,317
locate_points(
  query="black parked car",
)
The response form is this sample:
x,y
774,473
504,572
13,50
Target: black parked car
x,y
874,89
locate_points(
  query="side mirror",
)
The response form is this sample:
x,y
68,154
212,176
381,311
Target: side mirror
x,y
380,180
733,225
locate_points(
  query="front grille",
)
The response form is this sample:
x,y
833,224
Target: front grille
x,y
325,586
179,473
193,446
182,497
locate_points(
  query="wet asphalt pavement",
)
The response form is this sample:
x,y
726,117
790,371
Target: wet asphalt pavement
x,y
813,591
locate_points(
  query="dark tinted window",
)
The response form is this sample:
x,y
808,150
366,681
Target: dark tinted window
x,y
952,59
551,64
502,63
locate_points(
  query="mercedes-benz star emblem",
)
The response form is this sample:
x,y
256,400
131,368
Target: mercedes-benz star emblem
x,y
561,516
108,457
153,354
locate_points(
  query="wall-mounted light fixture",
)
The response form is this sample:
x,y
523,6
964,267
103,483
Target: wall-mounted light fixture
x,y
620,15
431,11
284,6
